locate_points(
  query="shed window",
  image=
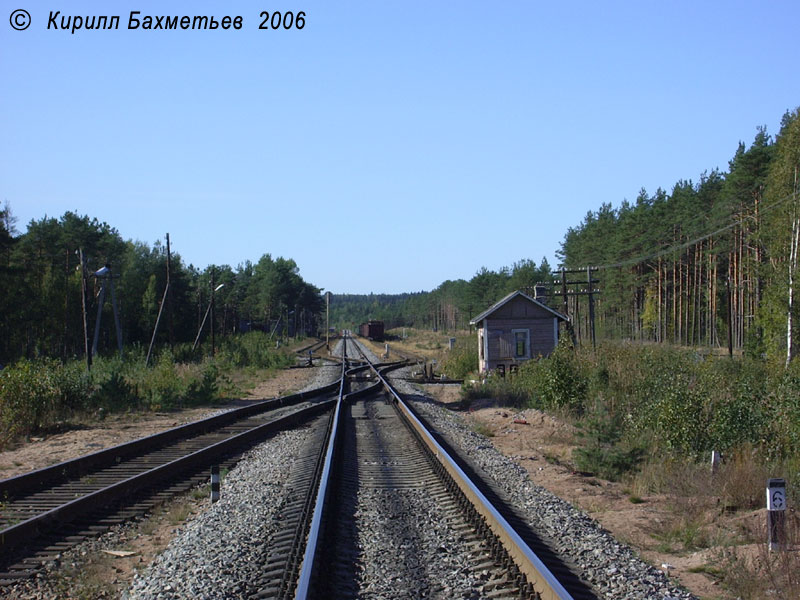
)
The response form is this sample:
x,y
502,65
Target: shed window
x,y
522,343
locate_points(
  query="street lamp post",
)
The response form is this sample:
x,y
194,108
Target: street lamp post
x,y
214,290
210,309
84,310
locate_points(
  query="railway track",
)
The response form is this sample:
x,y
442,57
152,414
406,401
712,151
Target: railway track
x,y
44,512
368,502
383,465
374,504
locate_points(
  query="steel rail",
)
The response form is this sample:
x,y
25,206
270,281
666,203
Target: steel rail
x,y
313,347
536,572
25,530
309,566
82,465
303,588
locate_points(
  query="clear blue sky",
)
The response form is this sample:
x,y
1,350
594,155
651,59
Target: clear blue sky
x,y
387,146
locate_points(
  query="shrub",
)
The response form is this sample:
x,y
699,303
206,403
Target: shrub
x,y
252,349
183,353
603,454
162,389
114,392
498,389
204,389
684,403
554,382
782,412
35,395
74,385
462,359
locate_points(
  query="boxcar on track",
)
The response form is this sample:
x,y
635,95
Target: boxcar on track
x,y
372,330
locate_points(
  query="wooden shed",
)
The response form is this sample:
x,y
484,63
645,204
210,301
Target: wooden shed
x,y
514,330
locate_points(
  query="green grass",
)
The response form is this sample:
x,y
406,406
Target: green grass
x,y
714,572
482,429
685,533
37,396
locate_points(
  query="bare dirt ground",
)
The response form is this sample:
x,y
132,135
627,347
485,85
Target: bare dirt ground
x,y
543,446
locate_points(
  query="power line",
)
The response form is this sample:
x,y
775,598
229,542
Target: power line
x,y
676,248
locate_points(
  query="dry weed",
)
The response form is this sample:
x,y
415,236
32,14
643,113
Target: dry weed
x,y
754,572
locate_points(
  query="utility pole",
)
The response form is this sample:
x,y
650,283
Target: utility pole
x,y
170,323
155,328
83,306
205,316
213,347
107,277
590,288
567,290
327,320
65,342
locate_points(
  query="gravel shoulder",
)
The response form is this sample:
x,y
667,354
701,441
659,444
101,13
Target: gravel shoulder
x,y
610,565
541,445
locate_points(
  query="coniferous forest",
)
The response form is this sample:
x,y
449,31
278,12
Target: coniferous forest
x,y
447,308
706,263
708,259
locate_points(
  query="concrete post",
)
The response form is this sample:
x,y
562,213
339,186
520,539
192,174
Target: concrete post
x,y
776,513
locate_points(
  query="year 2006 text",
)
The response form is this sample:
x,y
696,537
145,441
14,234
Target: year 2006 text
x,y
286,20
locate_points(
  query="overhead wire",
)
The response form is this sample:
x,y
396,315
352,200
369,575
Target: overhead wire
x,y
683,245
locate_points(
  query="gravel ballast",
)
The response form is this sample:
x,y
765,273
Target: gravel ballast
x,y
610,566
408,550
216,555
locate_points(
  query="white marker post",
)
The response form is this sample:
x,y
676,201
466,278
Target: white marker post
x,y
715,459
776,512
214,483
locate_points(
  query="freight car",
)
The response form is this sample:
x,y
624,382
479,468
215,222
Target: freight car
x,y
372,330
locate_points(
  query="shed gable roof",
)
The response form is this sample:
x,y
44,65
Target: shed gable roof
x,y
507,299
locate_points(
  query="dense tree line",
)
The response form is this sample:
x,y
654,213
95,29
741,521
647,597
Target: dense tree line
x,y
707,259
41,311
448,307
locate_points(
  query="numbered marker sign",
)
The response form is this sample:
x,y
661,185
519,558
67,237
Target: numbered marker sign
x,y
776,494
